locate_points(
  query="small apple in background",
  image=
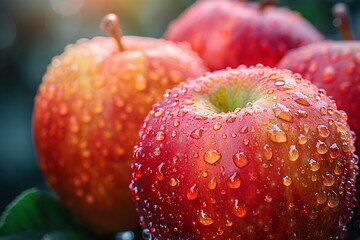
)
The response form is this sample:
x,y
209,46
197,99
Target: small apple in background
x,y
333,66
228,33
87,114
246,153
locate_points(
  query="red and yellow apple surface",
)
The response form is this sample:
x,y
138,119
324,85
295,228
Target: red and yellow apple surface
x,y
87,113
228,33
246,153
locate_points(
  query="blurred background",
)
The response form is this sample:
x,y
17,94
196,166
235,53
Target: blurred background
x,y
32,32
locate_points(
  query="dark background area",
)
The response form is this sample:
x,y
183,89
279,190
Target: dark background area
x,y
33,31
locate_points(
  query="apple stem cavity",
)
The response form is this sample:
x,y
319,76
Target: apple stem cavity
x,y
111,26
266,3
340,12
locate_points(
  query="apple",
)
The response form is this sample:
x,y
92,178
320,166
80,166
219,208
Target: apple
x,y
87,114
246,153
228,33
333,66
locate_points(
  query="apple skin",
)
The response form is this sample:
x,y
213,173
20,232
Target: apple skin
x,y
87,114
335,67
229,33
246,153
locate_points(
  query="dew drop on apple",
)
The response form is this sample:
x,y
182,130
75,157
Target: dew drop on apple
x,y
240,159
329,74
228,223
193,192
197,133
234,181
328,180
212,156
173,182
323,131
321,147
268,199
314,165
217,126
293,153
321,197
302,139
301,99
157,151
160,172
158,112
279,82
276,134
212,183
268,153
283,113
334,151
333,200
239,209
160,136
137,169
246,142
287,181
204,218
219,231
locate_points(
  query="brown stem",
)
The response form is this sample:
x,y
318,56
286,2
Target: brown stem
x,y
340,12
265,3
111,26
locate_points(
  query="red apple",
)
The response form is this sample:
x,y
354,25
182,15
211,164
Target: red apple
x,y
87,114
246,153
229,33
335,67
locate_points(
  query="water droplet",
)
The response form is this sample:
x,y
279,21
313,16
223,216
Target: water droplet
x,y
157,151
160,172
212,184
240,159
193,192
279,82
212,156
321,197
219,231
244,129
287,181
283,112
334,151
323,131
274,76
246,142
137,170
321,147
302,139
176,123
333,200
173,182
158,112
160,136
268,199
217,126
314,165
301,99
233,181
239,209
276,134
204,218
293,153
328,180
267,152
197,133
329,74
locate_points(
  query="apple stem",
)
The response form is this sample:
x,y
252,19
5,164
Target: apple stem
x,y
111,26
265,3
340,12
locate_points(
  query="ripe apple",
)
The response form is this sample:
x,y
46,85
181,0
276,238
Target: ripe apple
x,y
333,66
246,153
87,114
229,33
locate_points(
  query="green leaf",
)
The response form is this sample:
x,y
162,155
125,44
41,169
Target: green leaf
x,y
37,215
